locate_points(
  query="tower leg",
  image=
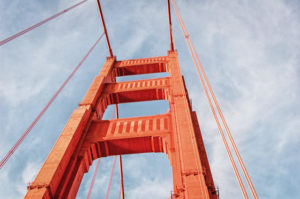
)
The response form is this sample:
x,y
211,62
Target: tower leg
x,y
190,181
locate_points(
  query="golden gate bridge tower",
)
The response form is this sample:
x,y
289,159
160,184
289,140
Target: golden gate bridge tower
x,y
87,137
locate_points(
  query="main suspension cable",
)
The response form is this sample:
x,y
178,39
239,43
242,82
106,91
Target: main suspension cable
x,y
12,150
39,24
249,182
170,27
105,30
194,54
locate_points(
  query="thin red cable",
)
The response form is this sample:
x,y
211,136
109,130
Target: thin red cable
x,y
93,180
170,26
248,179
39,24
12,150
121,164
105,30
250,184
96,169
114,164
120,191
111,176
223,136
121,178
210,102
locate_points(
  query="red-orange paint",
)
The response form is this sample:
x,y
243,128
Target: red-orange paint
x,y
86,138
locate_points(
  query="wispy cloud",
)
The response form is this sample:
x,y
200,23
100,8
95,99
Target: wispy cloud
x,y
253,63
250,50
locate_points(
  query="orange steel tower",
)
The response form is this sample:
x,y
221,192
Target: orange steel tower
x,y
87,137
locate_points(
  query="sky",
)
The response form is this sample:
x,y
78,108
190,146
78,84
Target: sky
x,y
250,51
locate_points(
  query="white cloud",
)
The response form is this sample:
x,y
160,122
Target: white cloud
x,y
155,188
250,50
256,80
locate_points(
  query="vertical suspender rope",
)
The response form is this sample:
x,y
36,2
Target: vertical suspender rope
x,y
12,150
39,24
111,176
194,54
121,164
120,192
121,178
93,180
96,169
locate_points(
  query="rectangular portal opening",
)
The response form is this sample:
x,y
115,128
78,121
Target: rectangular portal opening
x,y
147,175
142,77
138,109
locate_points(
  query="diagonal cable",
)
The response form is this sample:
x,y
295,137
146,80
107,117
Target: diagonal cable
x,y
93,179
198,65
13,149
111,176
39,24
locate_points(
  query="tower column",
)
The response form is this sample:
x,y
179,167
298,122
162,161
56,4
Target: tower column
x,y
191,183
63,163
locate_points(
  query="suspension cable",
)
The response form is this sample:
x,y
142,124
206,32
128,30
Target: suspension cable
x,y
93,179
120,192
193,53
170,27
114,164
39,24
249,182
111,176
242,165
104,27
121,178
96,169
12,150
121,164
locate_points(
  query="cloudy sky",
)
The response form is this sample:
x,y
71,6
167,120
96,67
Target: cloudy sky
x,y
249,49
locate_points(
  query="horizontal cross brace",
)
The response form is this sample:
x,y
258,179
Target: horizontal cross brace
x,y
141,66
125,136
129,127
136,85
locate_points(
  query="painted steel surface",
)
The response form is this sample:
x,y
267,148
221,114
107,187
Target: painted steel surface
x,y
86,137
